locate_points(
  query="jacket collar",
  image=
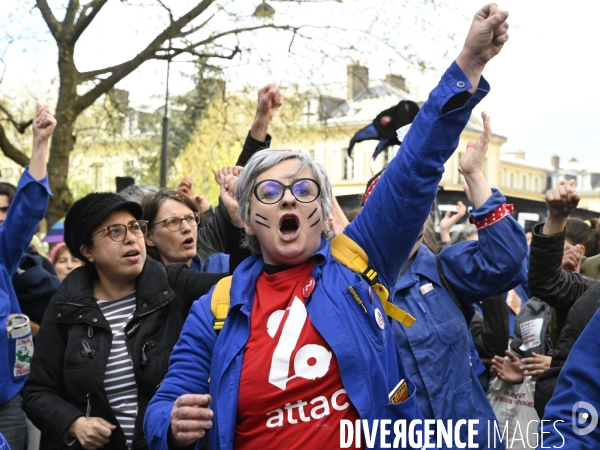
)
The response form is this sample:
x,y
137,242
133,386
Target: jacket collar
x,y
243,285
152,286
424,264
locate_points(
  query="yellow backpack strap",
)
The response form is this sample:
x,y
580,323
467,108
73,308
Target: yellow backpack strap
x,y
219,303
351,255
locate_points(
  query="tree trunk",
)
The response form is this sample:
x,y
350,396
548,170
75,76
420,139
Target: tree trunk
x,y
63,138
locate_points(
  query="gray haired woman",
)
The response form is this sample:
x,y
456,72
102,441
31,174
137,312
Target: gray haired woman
x,y
305,346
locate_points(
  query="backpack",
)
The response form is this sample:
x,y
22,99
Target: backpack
x,y
346,252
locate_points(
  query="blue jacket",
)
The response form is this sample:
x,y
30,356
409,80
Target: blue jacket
x,y
369,362
24,215
436,350
577,393
215,263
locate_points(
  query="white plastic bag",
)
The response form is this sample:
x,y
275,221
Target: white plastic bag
x,y
517,419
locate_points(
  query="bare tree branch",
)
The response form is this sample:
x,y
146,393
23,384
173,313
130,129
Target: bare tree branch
x,y
53,24
120,71
194,29
171,20
234,32
172,52
11,151
72,9
87,14
19,126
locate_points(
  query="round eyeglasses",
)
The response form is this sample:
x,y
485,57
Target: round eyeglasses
x,y
174,223
305,190
118,231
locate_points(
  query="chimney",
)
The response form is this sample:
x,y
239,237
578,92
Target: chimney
x,y
358,79
555,161
119,98
398,81
520,154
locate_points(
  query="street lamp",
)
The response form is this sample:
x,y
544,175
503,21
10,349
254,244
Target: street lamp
x,y
264,11
164,154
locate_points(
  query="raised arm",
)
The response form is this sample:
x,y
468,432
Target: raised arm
x,y
392,219
28,207
493,263
547,280
269,99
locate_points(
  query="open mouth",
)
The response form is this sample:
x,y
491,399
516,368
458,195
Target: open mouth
x,y
288,225
189,241
131,254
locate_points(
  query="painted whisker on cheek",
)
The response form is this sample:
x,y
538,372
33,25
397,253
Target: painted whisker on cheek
x,y
318,220
312,213
263,224
262,217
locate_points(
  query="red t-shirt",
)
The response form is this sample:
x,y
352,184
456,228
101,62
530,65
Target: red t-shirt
x,y
291,393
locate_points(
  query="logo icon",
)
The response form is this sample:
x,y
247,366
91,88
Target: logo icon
x,y
310,362
580,418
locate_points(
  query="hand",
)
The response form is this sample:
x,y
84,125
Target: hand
x,y
471,166
186,187
269,99
91,432
486,37
190,418
562,200
572,257
474,157
227,183
450,220
43,123
226,170
509,369
535,365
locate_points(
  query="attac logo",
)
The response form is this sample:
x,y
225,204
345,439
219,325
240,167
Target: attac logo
x,y
310,362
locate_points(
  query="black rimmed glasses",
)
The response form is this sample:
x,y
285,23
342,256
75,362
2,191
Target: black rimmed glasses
x,y
305,190
174,223
118,231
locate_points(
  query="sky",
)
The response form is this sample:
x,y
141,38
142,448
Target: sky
x,y
544,93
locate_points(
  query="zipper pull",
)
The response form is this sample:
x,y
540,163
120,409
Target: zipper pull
x,y
134,328
88,350
144,358
88,409
90,331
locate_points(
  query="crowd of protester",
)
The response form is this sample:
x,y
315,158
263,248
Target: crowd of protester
x,y
162,321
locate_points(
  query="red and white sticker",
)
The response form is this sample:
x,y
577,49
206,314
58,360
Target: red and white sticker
x,y
379,319
309,287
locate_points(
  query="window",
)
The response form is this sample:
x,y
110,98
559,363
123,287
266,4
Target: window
x,y
97,176
536,187
511,183
347,165
524,182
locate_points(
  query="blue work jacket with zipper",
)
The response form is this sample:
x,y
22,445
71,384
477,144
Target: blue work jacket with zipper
x,y
369,361
26,211
435,350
